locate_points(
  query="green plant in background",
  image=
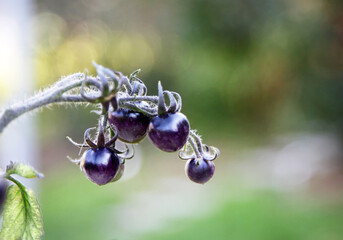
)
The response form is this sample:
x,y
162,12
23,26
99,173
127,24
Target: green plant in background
x,y
126,113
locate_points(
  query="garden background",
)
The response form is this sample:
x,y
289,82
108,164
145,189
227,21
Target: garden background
x,y
261,80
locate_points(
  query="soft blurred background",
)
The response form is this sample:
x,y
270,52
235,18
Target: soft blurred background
x,y
261,80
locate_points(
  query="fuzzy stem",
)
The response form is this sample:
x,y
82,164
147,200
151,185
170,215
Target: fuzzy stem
x,y
194,146
153,99
56,94
198,141
69,90
48,96
131,106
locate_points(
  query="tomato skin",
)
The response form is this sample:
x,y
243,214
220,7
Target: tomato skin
x,y
131,126
119,173
199,170
100,165
169,132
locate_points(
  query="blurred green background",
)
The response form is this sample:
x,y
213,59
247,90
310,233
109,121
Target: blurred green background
x,y
261,80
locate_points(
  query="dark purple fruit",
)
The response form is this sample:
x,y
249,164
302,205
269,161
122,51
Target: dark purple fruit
x,y
199,171
169,132
131,126
100,165
119,173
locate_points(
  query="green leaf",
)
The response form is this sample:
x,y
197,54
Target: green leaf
x,y
23,170
22,218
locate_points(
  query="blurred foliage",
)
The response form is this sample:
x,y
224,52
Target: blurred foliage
x,y
74,208
241,66
262,215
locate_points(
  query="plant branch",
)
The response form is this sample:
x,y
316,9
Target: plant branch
x,y
153,99
195,148
61,92
54,94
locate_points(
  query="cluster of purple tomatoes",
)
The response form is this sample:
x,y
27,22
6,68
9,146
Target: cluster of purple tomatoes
x,y
168,129
168,132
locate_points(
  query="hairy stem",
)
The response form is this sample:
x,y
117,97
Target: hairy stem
x,y
197,140
54,94
59,93
194,146
153,99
